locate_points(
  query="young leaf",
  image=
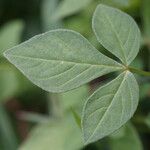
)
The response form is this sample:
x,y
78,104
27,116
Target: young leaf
x,y
7,137
60,60
117,32
74,98
8,82
48,8
60,135
110,107
129,141
118,3
69,7
10,35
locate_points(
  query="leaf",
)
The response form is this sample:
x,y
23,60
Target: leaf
x,y
10,35
48,9
8,82
110,107
73,101
62,135
34,117
119,3
69,7
60,60
74,98
8,138
117,32
129,141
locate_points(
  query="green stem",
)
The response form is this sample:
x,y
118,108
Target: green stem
x,y
76,117
138,71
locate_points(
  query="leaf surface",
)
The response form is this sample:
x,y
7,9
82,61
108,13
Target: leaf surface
x,y
8,82
8,137
129,141
117,32
10,35
118,3
69,7
60,60
60,135
110,107
48,9
74,98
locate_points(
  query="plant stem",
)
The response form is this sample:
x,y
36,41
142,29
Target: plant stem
x,y
76,117
138,71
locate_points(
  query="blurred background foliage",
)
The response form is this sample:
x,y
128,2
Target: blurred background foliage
x,y
32,119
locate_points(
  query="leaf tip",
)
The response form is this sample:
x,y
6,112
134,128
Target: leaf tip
x,y
6,54
86,139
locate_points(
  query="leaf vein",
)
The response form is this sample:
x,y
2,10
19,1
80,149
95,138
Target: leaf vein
x,y
71,62
107,109
113,29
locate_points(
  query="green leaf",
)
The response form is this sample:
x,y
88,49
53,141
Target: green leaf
x,y
8,82
60,60
110,107
129,141
74,98
61,135
8,138
34,117
10,35
117,32
69,7
48,9
73,101
119,3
